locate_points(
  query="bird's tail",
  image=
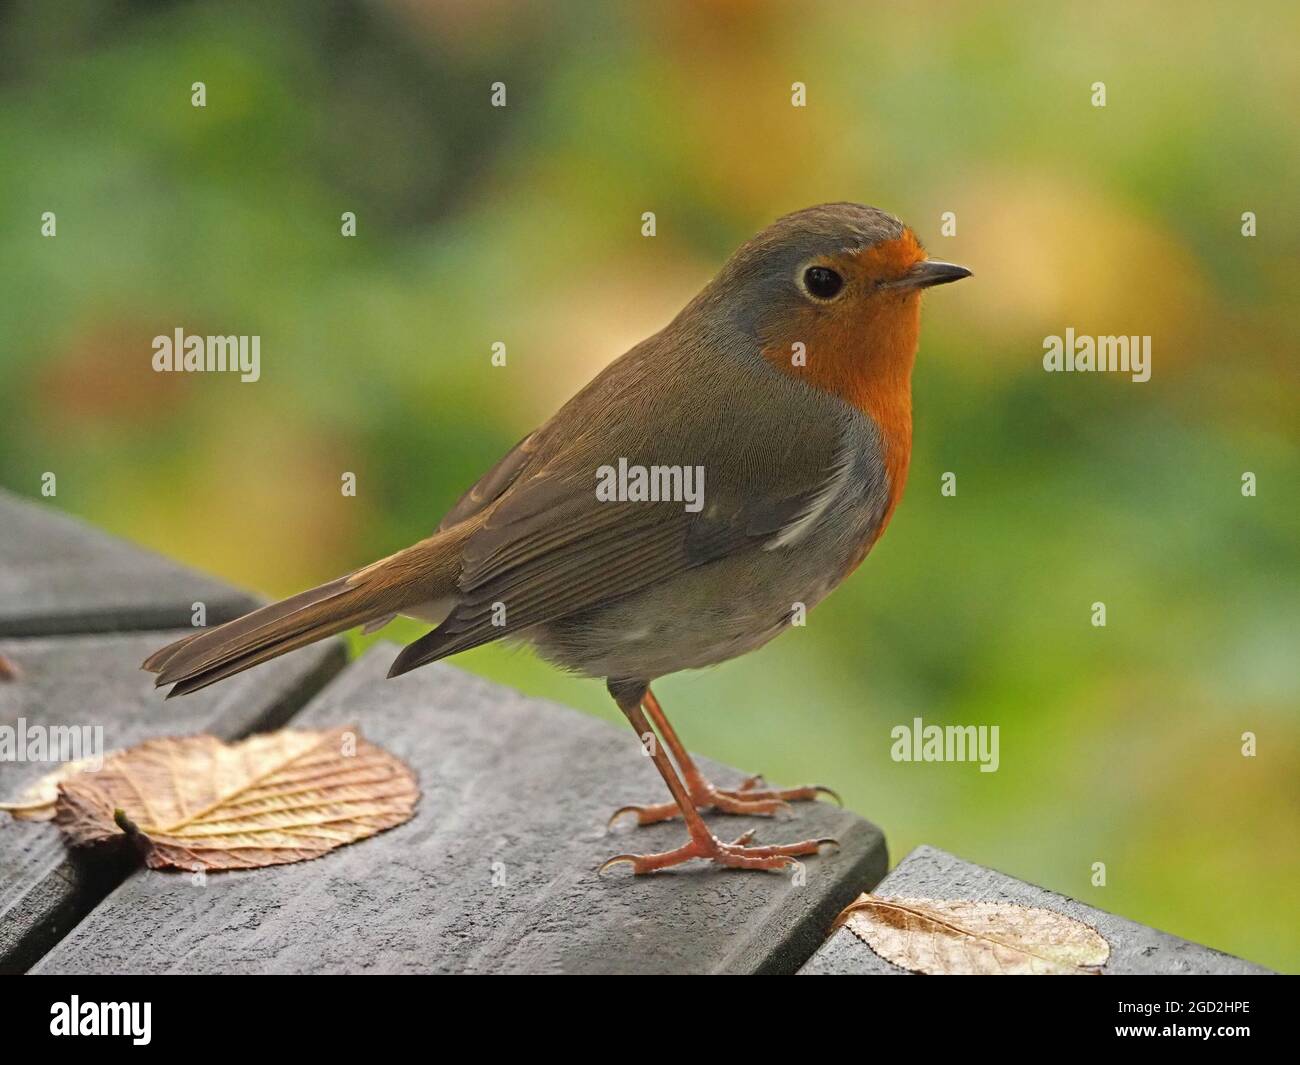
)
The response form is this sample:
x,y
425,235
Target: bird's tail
x,y
423,573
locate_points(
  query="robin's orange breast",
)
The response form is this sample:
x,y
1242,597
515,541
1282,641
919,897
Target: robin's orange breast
x,y
868,364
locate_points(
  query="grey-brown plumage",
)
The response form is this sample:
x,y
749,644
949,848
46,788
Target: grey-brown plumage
x,y
598,586
796,485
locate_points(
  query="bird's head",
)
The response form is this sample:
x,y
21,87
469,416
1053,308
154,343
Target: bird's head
x,y
831,296
828,277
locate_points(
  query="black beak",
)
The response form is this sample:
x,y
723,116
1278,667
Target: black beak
x,y
930,272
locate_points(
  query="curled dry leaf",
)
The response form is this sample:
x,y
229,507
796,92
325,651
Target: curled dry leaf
x,y
198,803
956,937
36,802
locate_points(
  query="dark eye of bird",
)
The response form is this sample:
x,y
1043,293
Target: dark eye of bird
x,y
822,282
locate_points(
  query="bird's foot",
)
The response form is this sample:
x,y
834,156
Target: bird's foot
x,y
751,798
737,855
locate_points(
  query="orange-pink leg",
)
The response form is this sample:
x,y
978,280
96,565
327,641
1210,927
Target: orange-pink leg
x,y
749,798
701,843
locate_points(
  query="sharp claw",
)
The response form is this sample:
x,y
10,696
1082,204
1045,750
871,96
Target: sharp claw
x,y
619,813
822,789
629,858
828,841
743,838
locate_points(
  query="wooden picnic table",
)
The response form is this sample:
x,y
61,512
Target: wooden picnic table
x,y
929,873
494,874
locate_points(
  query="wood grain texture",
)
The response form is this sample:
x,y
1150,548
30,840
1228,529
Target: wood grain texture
x,y
58,575
928,872
496,872
97,680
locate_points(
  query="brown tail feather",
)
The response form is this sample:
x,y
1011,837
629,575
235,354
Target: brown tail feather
x,y
241,626
228,667
159,658
426,571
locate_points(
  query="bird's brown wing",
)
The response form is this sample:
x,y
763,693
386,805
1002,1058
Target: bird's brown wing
x,y
549,548
523,571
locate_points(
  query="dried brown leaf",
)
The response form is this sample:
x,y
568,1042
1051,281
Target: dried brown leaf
x,y
198,803
956,936
36,801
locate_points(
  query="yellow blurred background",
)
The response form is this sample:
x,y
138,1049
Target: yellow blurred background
x,y
522,225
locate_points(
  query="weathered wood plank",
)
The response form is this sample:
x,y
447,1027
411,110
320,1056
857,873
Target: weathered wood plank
x,y
60,576
496,873
930,873
97,680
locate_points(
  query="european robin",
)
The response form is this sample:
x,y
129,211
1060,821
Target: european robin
x,y
716,480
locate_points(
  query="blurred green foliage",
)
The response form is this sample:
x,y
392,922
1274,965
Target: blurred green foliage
x,y
1119,745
